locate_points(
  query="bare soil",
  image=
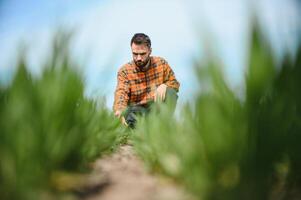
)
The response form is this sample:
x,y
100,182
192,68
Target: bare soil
x,y
124,177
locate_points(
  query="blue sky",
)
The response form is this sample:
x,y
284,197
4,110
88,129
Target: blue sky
x,y
179,31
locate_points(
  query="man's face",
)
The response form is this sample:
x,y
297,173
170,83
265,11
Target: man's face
x,y
141,54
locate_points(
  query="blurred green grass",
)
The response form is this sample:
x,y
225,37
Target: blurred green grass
x,y
223,147
47,126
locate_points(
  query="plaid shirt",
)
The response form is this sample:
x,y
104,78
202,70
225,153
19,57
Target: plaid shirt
x,y
137,87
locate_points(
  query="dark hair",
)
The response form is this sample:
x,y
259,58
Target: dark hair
x,y
141,38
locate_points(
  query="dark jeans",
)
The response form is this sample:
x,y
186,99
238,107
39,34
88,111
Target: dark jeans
x,y
133,111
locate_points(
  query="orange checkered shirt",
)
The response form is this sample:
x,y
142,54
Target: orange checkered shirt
x,y
137,87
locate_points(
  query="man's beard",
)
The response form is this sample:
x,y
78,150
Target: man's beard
x,y
141,64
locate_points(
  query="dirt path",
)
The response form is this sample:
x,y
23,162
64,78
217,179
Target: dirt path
x,y
127,179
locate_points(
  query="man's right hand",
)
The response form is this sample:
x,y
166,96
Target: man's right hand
x,y
118,114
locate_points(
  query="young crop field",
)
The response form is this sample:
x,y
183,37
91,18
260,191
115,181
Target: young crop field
x,y
58,144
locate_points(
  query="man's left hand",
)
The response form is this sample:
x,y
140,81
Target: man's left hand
x,y
160,93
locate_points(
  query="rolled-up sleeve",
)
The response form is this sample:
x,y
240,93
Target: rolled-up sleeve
x,y
122,91
170,78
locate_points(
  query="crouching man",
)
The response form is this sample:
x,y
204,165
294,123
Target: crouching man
x,y
141,82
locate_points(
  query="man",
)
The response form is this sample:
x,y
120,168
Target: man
x,y
144,80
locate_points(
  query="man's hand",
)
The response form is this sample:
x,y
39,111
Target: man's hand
x,y
160,93
118,115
